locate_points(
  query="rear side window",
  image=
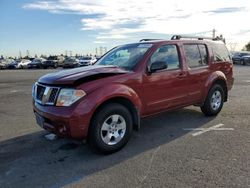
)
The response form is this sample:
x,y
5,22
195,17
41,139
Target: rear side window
x,y
196,55
220,53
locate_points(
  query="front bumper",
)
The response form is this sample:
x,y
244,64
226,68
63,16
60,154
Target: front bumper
x,y
63,121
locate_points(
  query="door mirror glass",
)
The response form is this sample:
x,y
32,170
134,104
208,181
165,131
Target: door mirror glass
x,y
158,65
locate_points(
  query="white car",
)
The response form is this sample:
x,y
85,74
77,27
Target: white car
x,y
23,64
3,64
85,61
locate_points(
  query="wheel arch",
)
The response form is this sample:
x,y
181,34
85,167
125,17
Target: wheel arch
x,y
133,109
217,77
223,84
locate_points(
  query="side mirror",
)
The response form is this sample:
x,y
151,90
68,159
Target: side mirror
x,y
157,65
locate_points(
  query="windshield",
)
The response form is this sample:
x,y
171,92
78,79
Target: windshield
x,y
36,61
243,54
126,56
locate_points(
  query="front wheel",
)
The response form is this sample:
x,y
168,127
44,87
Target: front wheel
x,y
110,129
214,101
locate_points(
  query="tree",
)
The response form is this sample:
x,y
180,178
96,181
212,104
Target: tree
x,y
247,47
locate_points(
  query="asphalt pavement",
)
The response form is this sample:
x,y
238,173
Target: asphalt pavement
x,y
182,148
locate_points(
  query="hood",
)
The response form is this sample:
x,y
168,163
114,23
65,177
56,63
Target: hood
x,y
79,75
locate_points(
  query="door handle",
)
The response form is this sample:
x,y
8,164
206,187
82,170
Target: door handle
x,y
181,75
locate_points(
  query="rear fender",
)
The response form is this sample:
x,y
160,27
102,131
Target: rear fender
x,y
216,76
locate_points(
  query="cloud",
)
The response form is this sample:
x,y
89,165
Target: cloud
x,y
118,19
112,36
226,10
99,42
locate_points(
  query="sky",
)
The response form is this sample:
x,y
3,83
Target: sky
x,y
80,26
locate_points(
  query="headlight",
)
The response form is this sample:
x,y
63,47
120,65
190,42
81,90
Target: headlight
x,y
67,97
33,90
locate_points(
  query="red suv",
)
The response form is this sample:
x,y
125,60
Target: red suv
x,y
105,102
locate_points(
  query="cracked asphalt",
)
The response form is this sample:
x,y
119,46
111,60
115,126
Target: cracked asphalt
x,y
164,153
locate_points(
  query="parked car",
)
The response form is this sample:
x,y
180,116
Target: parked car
x,y
105,102
13,64
238,57
24,64
60,60
87,60
246,59
49,63
57,61
71,62
36,63
2,64
7,62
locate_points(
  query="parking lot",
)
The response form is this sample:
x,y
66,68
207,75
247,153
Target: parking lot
x,y
182,148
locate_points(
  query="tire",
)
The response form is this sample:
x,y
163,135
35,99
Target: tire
x,y
55,66
110,129
214,101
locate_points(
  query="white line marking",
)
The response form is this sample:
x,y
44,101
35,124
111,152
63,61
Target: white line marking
x,y
204,130
51,137
13,91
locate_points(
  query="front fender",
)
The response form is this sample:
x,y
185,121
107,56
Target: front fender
x,y
116,90
89,104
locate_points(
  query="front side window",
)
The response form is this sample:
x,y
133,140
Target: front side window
x,y
126,56
167,54
196,55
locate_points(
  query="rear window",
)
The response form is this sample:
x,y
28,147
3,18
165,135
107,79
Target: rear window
x,y
220,53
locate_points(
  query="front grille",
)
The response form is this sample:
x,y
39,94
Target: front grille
x,y
53,95
39,92
46,95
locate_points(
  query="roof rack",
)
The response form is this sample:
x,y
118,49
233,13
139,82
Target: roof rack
x,y
178,37
145,40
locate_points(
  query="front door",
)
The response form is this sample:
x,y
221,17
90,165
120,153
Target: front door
x,y
165,88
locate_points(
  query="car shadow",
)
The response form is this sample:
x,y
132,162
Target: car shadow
x,y
33,161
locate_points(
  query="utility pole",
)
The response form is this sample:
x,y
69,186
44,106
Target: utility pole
x,y
27,53
213,33
105,49
96,51
20,54
101,50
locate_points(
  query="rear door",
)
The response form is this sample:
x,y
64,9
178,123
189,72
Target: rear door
x,y
196,56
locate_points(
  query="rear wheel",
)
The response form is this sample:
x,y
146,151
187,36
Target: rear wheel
x,y
214,101
110,129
